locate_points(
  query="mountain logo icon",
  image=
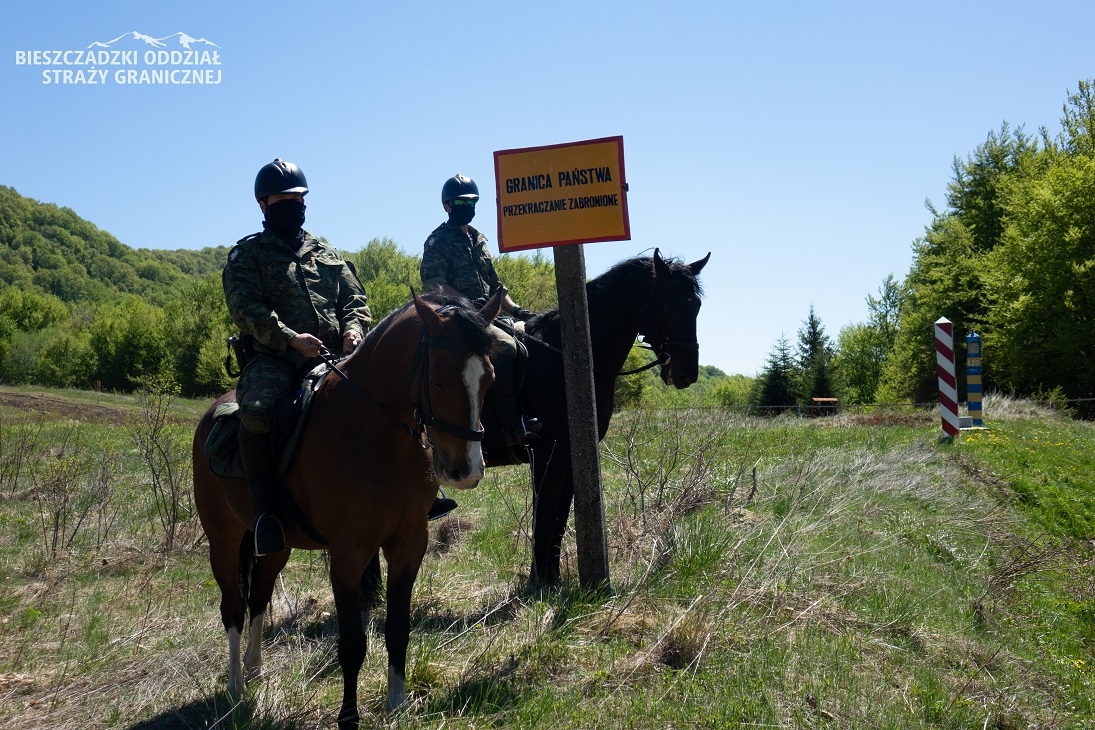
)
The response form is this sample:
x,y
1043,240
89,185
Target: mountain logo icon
x,y
175,39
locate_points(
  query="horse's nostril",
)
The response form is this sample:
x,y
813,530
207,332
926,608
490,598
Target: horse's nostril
x,y
455,475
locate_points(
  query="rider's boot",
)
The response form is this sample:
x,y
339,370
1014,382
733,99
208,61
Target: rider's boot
x,y
520,429
258,466
441,506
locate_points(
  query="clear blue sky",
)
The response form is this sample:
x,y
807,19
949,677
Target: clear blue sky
x,y
796,141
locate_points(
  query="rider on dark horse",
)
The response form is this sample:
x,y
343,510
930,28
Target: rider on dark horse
x,y
291,294
456,254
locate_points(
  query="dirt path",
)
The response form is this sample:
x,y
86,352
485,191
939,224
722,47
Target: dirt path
x,y
37,403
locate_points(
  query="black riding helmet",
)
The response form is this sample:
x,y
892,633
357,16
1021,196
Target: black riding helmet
x,y
459,186
280,176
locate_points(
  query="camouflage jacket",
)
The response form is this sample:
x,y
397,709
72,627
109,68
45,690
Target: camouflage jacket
x,y
274,293
450,257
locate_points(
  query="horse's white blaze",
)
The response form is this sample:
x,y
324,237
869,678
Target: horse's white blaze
x,y
252,660
236,682
474,369
397,689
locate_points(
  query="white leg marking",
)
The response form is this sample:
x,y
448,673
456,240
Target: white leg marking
x,y
236,682
397,690
474,369
252,660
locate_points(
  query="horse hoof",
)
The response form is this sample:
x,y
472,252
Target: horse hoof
x,y
397,691
236,688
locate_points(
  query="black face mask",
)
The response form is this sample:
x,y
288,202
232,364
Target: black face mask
x,y
461,215
286,218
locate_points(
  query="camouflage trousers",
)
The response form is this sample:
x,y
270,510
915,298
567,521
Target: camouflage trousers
x,y
504,343
263,382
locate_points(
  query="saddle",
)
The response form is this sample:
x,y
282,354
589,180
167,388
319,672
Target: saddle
x,y
290,417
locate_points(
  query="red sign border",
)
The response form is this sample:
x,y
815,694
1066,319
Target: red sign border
x,y
626,236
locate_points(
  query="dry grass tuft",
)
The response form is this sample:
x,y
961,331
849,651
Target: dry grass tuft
x,y
683,646
881,418
448,534
1005,408
679,644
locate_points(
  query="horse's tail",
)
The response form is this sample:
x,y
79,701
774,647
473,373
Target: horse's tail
x,y
248,565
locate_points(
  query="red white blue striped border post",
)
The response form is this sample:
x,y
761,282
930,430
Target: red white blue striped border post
x,y
948,386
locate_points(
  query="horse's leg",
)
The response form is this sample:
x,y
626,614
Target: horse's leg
x,y
226,546
264,573
236,683
404,560
346,570
553,492
226,570
370,585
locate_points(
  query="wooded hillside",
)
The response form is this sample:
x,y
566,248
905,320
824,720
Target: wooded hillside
x,y
1011,257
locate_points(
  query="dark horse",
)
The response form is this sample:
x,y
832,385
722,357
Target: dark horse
x,y
653,297
367,470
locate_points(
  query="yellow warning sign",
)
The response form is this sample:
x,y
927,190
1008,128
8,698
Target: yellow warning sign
x,y
561,194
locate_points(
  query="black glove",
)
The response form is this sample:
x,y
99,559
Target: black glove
x,y
522,314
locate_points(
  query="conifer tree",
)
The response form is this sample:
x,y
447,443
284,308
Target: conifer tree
x,y
773,390
815,353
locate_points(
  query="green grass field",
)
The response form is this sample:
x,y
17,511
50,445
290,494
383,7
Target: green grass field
x,y
846,572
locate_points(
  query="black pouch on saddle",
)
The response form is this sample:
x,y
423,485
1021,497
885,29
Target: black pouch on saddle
x,y
222,445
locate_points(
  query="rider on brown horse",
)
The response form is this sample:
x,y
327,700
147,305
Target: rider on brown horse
x,y
292,295
456,254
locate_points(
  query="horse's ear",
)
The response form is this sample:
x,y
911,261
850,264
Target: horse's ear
x,y
697,267
493,306
427,314
661,270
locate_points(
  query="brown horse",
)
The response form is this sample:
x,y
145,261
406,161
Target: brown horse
x,y
377,443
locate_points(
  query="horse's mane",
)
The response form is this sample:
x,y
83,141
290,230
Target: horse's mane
x,y
471,325
642,266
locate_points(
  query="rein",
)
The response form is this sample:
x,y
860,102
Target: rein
x,y
662,357
326,356
423,412
655,345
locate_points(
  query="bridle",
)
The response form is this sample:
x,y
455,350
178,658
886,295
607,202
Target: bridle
x,y
661,342
423,413
423,410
